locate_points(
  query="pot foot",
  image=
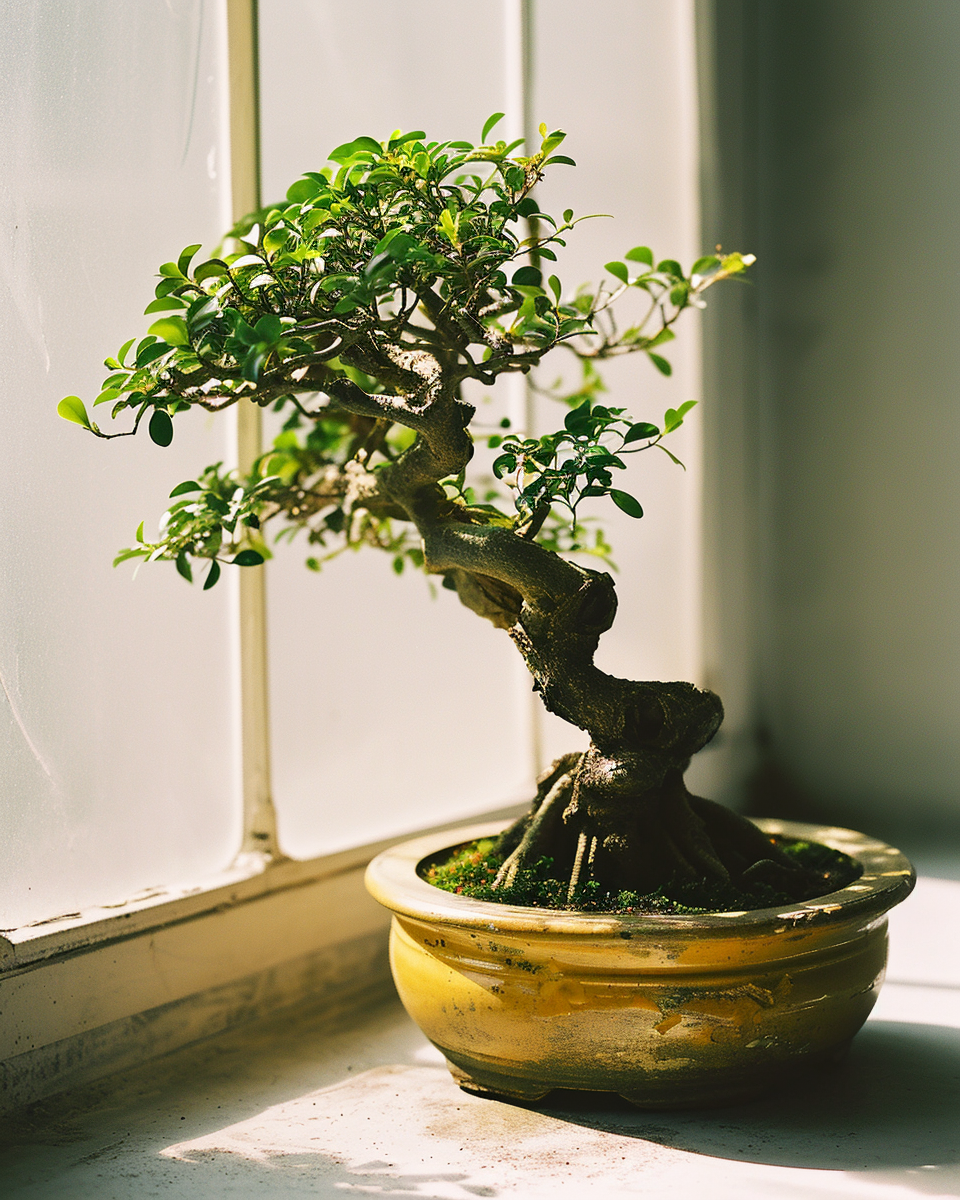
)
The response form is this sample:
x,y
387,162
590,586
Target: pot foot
x,y
492,1086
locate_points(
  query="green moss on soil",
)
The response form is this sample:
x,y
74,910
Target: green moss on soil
x,y
470,870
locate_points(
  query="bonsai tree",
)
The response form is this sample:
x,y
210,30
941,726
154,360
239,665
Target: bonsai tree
x,y
358,309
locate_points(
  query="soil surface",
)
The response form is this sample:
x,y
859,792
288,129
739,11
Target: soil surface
x,y
471,870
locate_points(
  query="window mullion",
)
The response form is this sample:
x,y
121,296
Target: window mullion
x,y
259,815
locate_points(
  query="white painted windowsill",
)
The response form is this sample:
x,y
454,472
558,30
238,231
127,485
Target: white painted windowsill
x,y
96,992
327,1106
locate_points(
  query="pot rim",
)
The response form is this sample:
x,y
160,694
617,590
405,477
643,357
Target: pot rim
x,y
888,878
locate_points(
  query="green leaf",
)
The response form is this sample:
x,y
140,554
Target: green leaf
x,y
450,227
161,427
673,417
401,245
578,418
619,269
733,264
212,575
125,350
703,265
660,363
642,429
276,239
626,502
186,257
416,136
190,485
139,533
252,364
116,380
640,254
151,351
183,566
679,294
71,409
560,159
672,457
343,154
172,330
490,122
107,395
568,216
665,335
241,329
268,329
250,558
124,555
201,312
515,178
387,238
670,266
527,277
505,462
129,402
303,190
214,266
165,304
555,286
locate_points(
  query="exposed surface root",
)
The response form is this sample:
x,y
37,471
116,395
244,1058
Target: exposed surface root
x,y
638,841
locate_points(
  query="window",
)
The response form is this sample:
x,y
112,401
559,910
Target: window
x,y
122,732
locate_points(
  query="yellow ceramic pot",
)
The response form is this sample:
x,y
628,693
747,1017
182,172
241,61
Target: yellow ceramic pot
x,y
668,1011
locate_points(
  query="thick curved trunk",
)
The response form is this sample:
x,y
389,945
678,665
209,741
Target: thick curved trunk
x,y
619,813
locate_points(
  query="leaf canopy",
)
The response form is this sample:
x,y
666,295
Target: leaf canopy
x,y
396,253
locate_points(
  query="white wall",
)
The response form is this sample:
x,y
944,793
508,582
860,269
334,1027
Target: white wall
x,y
849,186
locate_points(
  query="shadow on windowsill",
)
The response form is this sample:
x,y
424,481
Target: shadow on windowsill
x,y
893,1103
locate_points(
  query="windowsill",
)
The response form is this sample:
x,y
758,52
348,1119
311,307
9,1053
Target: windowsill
x,y
251,876
98,992
322,1105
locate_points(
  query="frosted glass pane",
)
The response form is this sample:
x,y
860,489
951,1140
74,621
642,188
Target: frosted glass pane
x,y
389,709
116,728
